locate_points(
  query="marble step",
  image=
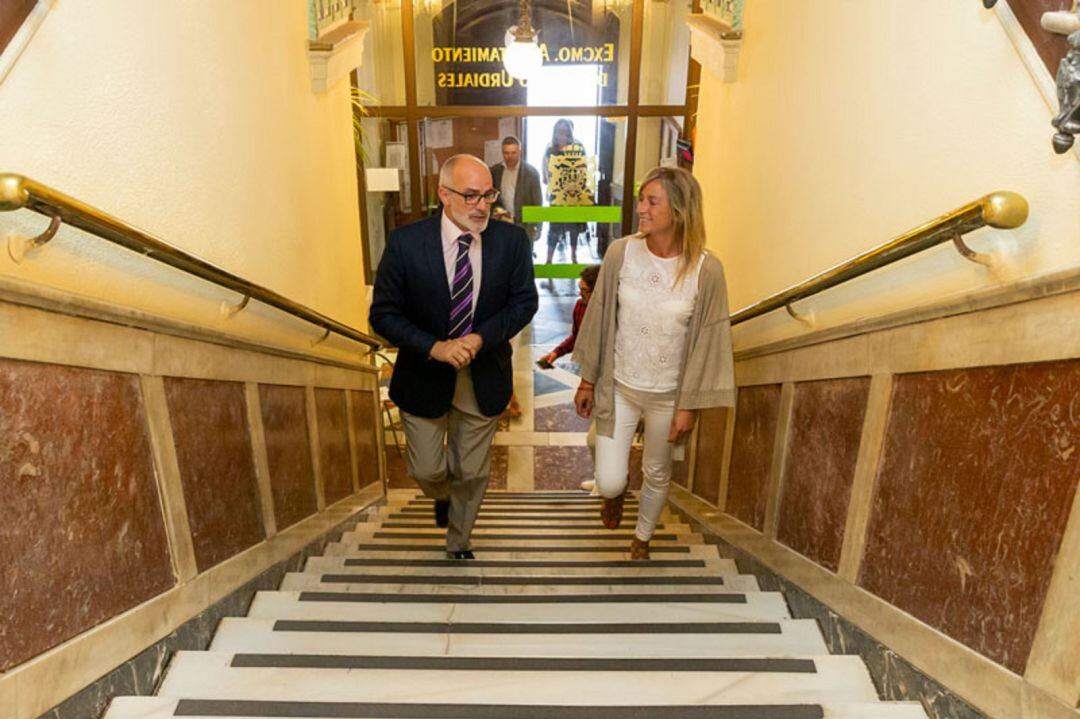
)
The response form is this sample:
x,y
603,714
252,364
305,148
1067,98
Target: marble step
x,y
482,537
531,681
365,582
671,533
749,607
337,564
789,638
436,549
164,708
492,549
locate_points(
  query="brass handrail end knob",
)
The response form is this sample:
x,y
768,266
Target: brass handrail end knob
x,y
1004,210
13,192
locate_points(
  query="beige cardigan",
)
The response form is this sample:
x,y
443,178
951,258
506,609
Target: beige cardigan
x,y
707,377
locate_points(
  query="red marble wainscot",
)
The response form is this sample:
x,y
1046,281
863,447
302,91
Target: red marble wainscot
x,y
709,461
977,477
367,423
82,538
217,467
757,412
823,448
335,461
288,449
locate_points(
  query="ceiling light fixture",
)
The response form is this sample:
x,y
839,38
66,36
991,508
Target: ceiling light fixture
x,y
522,57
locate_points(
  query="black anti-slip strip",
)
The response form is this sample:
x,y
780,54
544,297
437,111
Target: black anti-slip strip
x,y
524,664
595,523
495,494
532,564
519,535
518,549
298,625
426,516
584,501
423,511
518,581
363,710
428,598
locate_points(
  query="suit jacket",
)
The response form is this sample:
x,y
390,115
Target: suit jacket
x,y
526,191
410,308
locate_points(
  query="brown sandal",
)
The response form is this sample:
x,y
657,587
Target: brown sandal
x,y
611,511
639,549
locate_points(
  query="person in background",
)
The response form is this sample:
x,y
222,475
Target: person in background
x,y
585,286
518,184
563,142
655,344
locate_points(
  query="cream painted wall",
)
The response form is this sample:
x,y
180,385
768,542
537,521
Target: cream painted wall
x,y
195,121
855,121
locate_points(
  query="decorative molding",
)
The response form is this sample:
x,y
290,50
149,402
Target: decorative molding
x,y
335,54
1029,55
716,45
22,38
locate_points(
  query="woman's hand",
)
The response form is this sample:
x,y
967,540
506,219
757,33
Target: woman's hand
x,y
583,400
681,424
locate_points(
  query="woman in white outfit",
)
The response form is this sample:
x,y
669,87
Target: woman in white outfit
x,y
655,344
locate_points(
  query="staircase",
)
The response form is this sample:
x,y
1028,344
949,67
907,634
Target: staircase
x,y
552,620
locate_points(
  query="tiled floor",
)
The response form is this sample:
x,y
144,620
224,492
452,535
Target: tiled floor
x,y
548,439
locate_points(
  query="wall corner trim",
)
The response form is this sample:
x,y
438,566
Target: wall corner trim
x,y
715,45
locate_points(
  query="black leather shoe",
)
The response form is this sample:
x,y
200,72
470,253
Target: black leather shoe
x,y
442,512
466,554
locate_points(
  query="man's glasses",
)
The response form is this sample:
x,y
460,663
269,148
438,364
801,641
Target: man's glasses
x,y
473,198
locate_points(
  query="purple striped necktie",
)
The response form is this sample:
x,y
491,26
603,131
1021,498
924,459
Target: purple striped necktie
x,y
461,294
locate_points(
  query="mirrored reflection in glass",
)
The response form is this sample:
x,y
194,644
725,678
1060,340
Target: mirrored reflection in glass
x,y
386,176
460,47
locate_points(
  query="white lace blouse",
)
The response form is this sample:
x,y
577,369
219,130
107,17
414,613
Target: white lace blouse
x,y
652,319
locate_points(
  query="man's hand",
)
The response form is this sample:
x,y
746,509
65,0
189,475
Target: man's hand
x,y
453,352
681,424
583,400
474,342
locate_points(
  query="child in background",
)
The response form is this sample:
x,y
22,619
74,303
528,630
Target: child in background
x,y
585,287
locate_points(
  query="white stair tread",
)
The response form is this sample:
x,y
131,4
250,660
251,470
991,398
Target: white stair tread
x,y
758,606
482,540
164,708
733,583
209,675
435,549
796,638
534,567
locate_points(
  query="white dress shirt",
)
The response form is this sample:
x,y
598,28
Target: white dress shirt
x,y
450,235
507,188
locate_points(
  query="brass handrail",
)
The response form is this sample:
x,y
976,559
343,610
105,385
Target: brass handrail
x,y
19,192
1003,210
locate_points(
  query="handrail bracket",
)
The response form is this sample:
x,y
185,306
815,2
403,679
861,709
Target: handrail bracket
x,y
969,254
807,318
19,247
232,310
322,339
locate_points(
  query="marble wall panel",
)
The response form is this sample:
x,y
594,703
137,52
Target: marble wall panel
x,y
335,460
367,423
217,468
709,462
756,415
974,487
292,477
823,447
82,537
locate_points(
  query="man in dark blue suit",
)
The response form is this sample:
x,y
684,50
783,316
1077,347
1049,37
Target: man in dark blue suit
x,y
451,291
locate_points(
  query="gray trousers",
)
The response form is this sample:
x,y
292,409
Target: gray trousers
x,y
458,471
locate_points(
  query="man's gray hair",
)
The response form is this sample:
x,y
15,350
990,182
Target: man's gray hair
x,y
446,173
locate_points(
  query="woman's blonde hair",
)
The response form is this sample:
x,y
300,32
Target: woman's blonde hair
x,y
684,197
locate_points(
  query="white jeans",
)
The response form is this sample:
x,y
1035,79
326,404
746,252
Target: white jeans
x,y
613,453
